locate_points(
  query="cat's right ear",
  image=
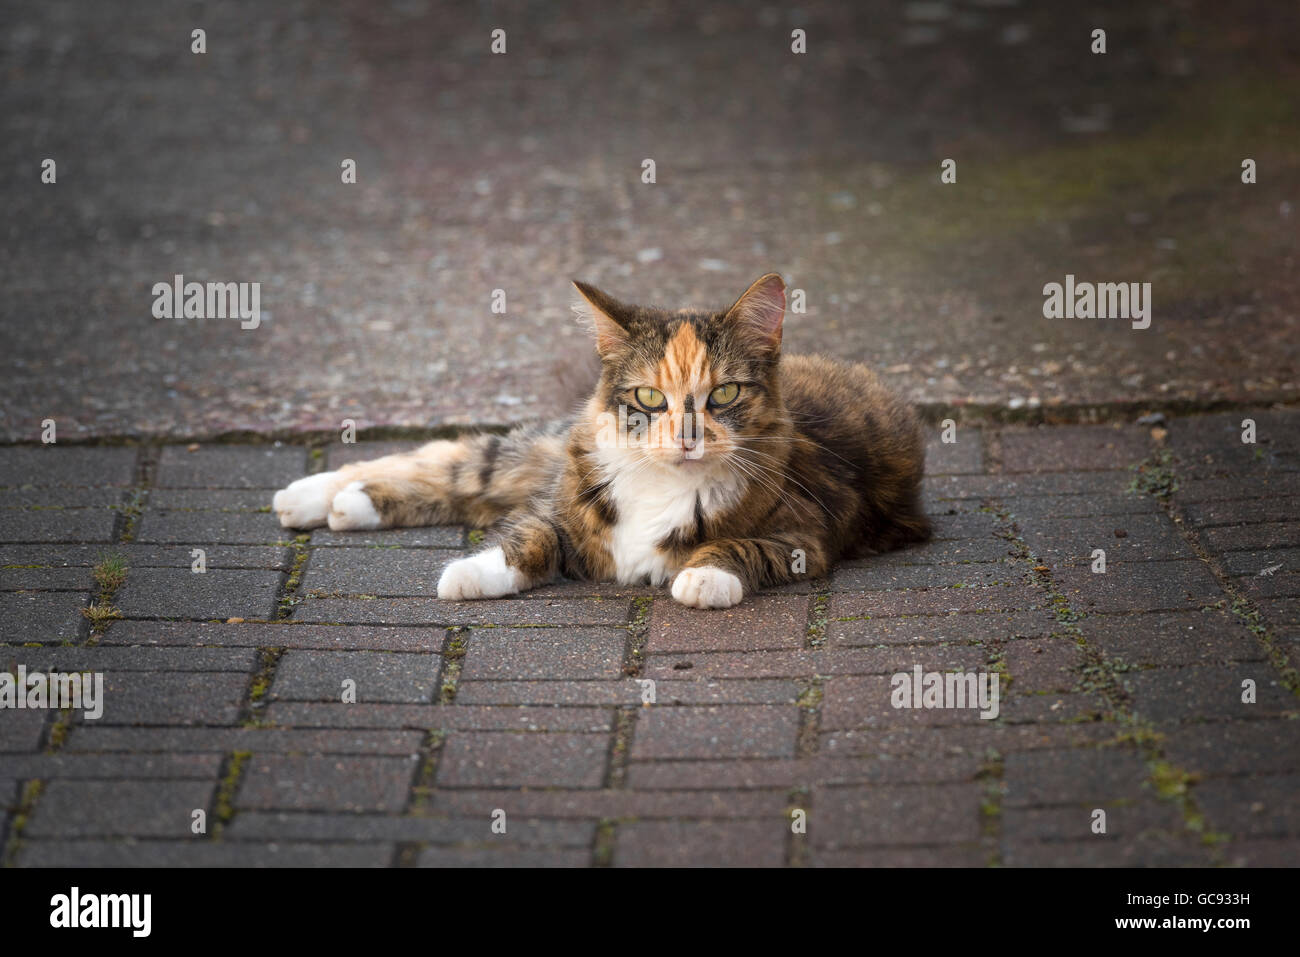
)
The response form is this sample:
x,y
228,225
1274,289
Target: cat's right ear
x,y
599,311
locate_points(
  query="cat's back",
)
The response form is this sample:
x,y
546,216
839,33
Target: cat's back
x,y
865,450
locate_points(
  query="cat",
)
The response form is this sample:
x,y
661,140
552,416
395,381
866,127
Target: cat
x,y
703,458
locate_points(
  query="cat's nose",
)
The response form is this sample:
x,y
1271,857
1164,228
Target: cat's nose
x,y
689,437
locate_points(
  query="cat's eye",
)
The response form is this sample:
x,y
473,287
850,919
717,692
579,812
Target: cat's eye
x,y
724,395
651,399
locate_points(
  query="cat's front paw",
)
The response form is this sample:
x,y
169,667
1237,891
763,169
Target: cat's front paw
x,y
707,588
485,575
306,502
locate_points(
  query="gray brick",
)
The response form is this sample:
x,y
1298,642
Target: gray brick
x,y
230,466
745,731
42,616
200,853
432,611
71,808
700,844
378,676
537,653
895,814
375,571
210,528
55,525
179,593
503,759
45,466
312,782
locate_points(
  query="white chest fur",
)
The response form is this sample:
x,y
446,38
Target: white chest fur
x,y
650,508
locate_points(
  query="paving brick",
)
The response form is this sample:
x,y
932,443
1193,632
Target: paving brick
x,y
210,499
501,857
313,782
895,814
1029,509
1025,485
170,697
89,767
1257,806
1073,448
700,844
302,714
179,593
71,808
199,853
608,803
28,496
1243,511
762,621
1172,638
1124,821
376,676
46,466
1235,747
1266,535
935,601
949,551
298,826
46,579
209,528
885,577
42,616
502,759
1281,584
375,571
1150,849
98,739
147,556
1049,664
626,692
949,527
1139,586
1251,485
967,739
230,466
275,635
1282,614
57,525
1097,776
505,654
799,772
1213,691
431,611
1124,538
745,731
866,702
20,731
964,456
105,658
1038,707
859,857
976,626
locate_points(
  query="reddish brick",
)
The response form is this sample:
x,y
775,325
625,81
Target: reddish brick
x,y
700,844
744,731
504,759
760,622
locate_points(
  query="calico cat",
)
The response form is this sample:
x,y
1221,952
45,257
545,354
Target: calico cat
x,y
703,457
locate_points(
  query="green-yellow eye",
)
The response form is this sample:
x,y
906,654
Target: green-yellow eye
x,y
651,399
724,394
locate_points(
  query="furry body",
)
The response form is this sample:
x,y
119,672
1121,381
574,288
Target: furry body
x,y
808,461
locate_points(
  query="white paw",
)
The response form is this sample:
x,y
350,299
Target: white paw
x,y
352,510
306,502
485,575
707,588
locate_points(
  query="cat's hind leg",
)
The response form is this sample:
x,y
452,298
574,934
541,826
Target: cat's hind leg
x,y
475,480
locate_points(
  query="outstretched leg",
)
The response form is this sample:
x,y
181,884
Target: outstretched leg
x,y
475,480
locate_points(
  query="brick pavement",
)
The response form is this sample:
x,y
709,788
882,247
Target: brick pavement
x,y
1121,691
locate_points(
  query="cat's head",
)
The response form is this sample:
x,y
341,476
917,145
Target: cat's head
x,y
685,389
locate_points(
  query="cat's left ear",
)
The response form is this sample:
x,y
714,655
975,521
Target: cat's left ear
x,y
761,310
